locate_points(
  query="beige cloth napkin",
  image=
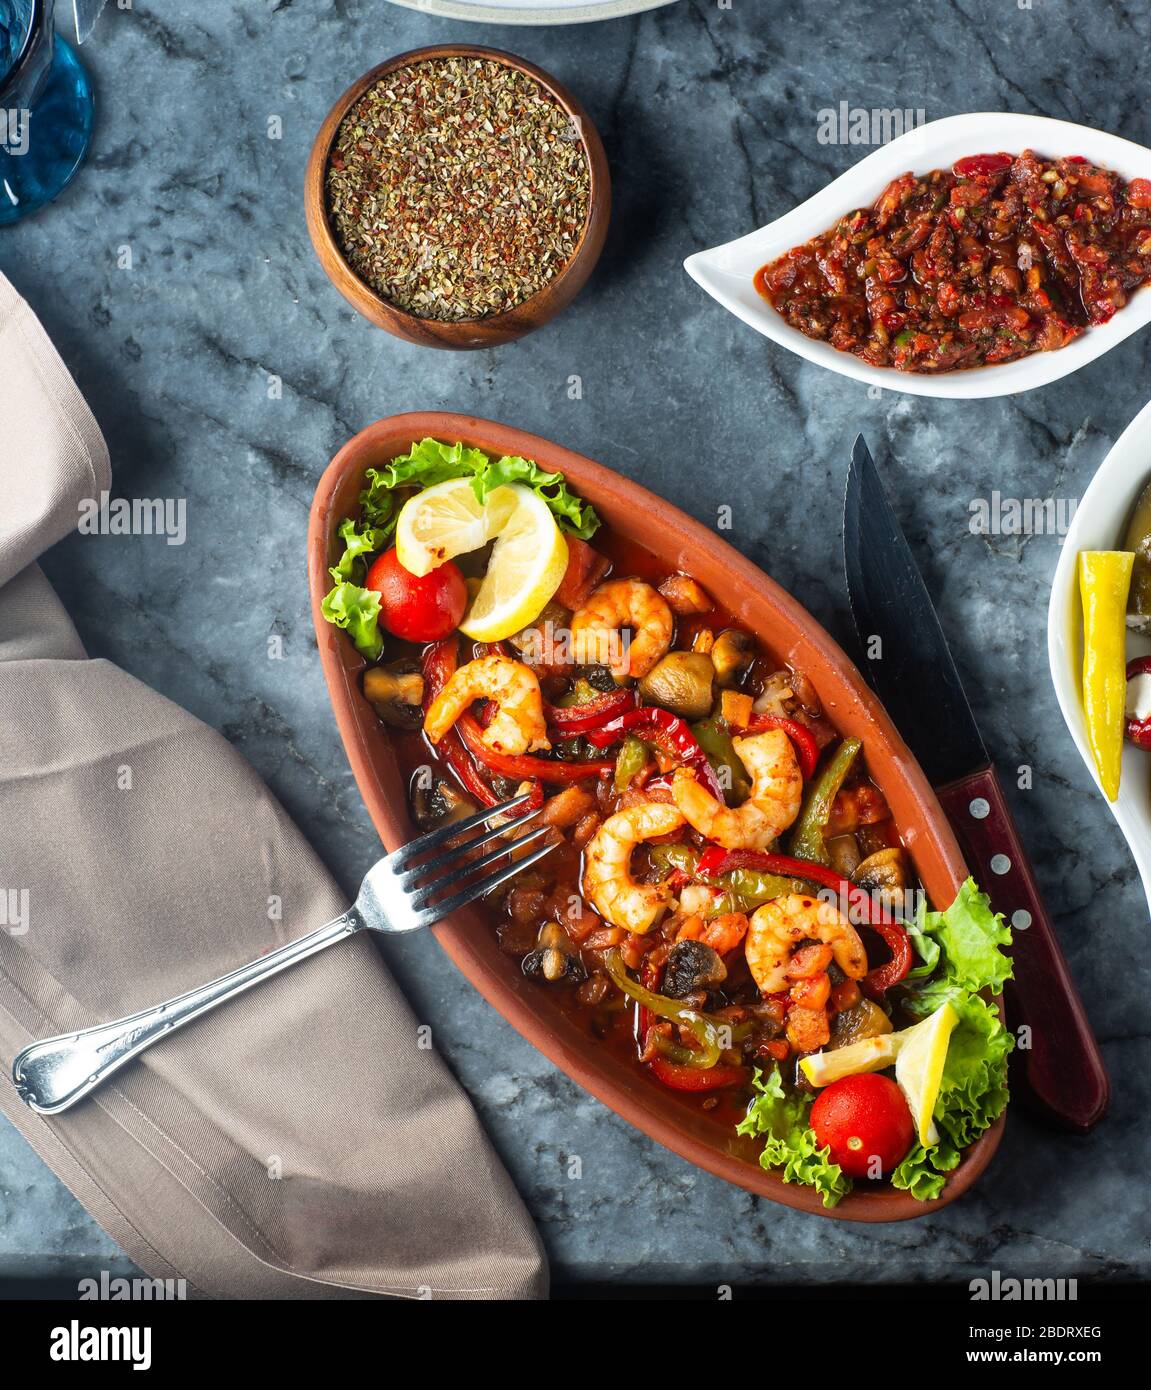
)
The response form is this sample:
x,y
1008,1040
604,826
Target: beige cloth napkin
x,y
299,1142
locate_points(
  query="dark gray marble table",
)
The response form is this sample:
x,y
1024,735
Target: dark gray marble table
x,y
710,115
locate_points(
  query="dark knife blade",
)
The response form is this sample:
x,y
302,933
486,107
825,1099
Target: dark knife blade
x,y
1059,1072
908,662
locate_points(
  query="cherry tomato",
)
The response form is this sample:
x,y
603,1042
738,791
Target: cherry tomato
x,y
865,1122
418,608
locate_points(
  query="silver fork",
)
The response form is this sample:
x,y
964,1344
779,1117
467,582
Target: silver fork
x,y
395,896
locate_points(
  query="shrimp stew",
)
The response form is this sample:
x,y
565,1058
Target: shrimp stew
x,y
728,903
993,259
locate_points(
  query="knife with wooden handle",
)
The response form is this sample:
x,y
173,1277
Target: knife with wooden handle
x,y
1056,1069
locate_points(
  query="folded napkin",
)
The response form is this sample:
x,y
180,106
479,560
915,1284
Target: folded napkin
x,y
297,1143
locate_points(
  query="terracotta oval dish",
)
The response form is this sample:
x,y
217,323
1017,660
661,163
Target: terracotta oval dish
x,y
495,328
640,518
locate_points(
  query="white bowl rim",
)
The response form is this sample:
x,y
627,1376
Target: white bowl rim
x,y
725,271
1098,525
534,14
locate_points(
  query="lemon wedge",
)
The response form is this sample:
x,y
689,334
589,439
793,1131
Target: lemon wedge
x,y
446,520
919,1068
527,566
869,1054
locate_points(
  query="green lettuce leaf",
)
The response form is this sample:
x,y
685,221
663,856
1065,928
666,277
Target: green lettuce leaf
x,y
926,948
969,936
789,1143
429,462
963,943
358,546
923,1172
357,611
573,514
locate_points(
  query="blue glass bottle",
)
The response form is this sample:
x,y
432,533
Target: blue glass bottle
x,y
46,109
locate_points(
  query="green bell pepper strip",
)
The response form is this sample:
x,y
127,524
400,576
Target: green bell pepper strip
x,y
807,837
703,1029
668,857
746,889
630,761
720,753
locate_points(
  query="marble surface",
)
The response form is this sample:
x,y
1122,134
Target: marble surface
x,y
710,117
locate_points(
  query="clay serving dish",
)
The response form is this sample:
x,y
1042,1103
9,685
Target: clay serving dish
x,y
495,329
791,634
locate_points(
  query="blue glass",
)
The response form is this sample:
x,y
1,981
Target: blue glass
x,y
46,109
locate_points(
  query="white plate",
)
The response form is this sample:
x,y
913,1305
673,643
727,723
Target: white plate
x,y
1098,524
532,11
726,272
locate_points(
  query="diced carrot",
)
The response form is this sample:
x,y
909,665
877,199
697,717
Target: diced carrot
x,y
724,933
567,807
691,929
812,993
735,709
809,961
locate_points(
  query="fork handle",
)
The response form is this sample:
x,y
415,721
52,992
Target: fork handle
x,y
53,1075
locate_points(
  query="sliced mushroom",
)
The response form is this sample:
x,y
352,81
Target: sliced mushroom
x,y
553,958
884,871
439,804
732,655
683,682
692,966
396,693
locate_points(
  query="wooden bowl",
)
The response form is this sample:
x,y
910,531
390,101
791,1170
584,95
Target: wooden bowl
x,y
791,634
466,333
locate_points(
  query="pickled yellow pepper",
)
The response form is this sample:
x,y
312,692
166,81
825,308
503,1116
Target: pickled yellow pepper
x,y
1104,582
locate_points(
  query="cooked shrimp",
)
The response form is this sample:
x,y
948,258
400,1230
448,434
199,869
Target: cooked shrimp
x,y
622,604
779,926
771,806
518,725
607,877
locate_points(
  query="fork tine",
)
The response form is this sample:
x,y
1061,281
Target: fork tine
x,y
438,911
421,896
407,877
401,857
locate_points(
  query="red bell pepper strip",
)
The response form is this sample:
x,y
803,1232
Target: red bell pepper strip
x,y
1138,731
521,765
680,1077
439,665
716,861
982,166
668,732
570,720
806,748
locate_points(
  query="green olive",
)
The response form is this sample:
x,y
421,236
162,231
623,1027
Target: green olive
x,y
731,656
683,682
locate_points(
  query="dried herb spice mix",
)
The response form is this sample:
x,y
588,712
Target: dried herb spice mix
x,y
457,188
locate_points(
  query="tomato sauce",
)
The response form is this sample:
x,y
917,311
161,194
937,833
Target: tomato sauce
x,y
542,895
996,258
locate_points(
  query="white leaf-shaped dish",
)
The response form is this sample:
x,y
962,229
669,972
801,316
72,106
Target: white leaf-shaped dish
x,y
726,272
1098,524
